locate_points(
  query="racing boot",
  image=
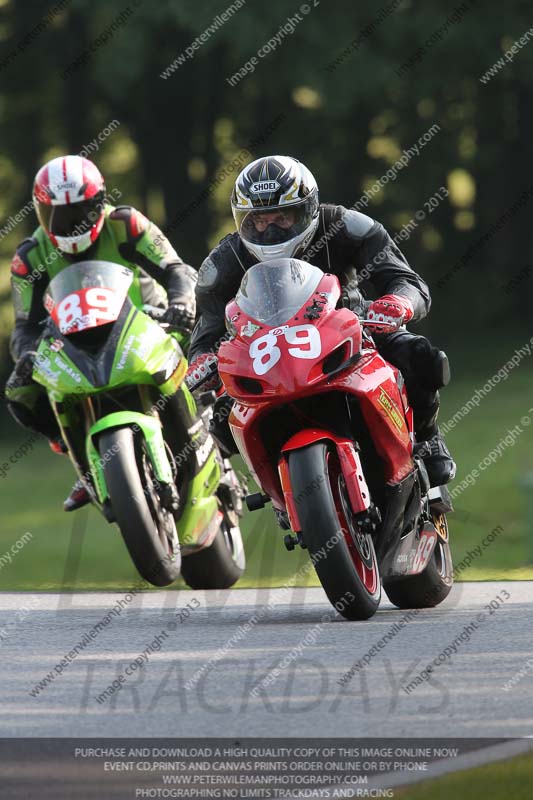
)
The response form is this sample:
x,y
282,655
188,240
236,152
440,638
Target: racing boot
x,y
440,466
78,497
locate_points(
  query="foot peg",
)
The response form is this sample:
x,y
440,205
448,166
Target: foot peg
x,y
256,501
291,541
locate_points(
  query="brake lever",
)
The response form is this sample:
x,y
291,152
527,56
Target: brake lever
x,y
372,323
154,312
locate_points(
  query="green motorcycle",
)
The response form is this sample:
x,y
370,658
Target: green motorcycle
x,y
115,381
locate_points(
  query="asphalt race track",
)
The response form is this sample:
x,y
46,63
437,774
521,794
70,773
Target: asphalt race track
x,y
199,669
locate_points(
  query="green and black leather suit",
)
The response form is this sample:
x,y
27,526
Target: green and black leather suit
x,y
127,238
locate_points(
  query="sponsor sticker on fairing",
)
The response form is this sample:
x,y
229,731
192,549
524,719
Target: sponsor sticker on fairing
x,y
249,329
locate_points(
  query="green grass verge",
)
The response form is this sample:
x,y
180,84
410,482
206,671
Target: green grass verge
x,y
506,780
94,557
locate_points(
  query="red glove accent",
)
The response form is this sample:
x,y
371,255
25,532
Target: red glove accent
x,y
18,267
199,368
390,312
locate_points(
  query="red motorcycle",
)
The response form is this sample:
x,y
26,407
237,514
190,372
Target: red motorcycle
x,y
324,425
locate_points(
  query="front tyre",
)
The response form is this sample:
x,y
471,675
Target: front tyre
x,y
148,530
343,556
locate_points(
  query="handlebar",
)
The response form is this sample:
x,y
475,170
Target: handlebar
x,y
195,380
157,314
368,323
154,311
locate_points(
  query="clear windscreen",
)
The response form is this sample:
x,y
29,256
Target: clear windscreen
x,y
87,294
274,291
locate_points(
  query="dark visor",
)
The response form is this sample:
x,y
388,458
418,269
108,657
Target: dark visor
x,y
299,218
73,219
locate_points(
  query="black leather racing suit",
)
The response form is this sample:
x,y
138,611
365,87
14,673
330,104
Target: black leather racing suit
x,y
367,262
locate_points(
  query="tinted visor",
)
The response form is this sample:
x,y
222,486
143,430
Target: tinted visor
x,y
266,226
73,219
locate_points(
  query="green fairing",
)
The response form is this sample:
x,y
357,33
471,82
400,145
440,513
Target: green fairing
x,y
151,430
56,372
201,506
143,350
144,354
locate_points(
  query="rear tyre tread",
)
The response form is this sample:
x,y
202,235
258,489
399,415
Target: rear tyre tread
x,y
429,588
211,568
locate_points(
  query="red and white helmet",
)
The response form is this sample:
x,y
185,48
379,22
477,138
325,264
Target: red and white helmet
x,y
69,200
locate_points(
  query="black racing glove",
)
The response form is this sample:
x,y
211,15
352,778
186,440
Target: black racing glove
x,y
24,367
180,316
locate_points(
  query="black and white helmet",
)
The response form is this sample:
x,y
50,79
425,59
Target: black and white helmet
x,y
275,207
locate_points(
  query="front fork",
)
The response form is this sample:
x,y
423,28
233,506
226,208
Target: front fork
x,y
350,464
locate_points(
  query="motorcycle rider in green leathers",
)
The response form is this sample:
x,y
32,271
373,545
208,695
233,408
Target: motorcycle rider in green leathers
x,y
77,223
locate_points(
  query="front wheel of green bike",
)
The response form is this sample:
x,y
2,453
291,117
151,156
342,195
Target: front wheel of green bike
x,y
148,530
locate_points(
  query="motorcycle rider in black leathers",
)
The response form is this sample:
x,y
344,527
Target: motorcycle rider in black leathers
x,y
277,213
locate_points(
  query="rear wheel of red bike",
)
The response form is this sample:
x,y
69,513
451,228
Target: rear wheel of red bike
x,y
343,556
434,584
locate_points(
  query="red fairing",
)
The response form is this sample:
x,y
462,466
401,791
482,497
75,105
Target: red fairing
x,y
375,384
265,367
286,361
349,459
